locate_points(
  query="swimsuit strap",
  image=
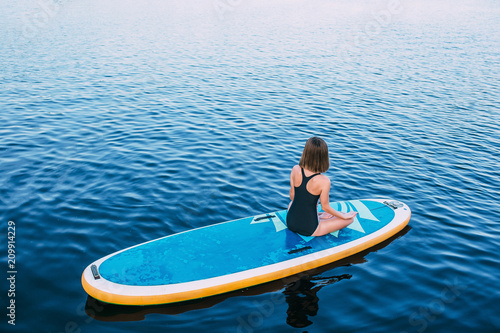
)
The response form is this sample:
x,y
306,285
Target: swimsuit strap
x,y
306,178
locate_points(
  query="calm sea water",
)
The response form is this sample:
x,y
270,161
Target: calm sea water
x,y
125,121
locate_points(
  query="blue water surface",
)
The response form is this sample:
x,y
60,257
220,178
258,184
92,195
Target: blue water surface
x,y
125,121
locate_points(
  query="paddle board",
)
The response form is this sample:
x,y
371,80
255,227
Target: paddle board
x,y
233,255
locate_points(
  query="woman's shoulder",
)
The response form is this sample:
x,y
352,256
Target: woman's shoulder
x,y
323,179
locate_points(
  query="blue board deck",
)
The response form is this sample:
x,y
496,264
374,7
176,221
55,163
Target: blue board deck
x,y
233,255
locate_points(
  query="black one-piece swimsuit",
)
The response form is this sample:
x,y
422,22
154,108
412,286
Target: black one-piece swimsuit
x,y
302,216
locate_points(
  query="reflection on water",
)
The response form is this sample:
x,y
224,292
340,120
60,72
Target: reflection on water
x,y
302,298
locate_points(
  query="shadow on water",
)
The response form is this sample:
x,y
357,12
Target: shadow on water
x,y
302,299
300,293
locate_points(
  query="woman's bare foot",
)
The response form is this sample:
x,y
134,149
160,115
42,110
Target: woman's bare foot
x,y
324,215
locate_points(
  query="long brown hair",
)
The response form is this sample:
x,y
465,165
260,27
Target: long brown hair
x,y
315,155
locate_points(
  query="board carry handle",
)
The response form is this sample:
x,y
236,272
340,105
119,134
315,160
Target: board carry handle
x,y
95,273
299,250
264,217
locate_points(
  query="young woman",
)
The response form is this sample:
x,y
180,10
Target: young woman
x,y
307,186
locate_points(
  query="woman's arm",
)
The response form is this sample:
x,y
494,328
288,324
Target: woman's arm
x,y
325,202
292,188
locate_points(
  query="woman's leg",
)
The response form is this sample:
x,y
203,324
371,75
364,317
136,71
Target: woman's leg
x,y
328,225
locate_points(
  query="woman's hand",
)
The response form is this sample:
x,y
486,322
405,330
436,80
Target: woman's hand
x,y
350,215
